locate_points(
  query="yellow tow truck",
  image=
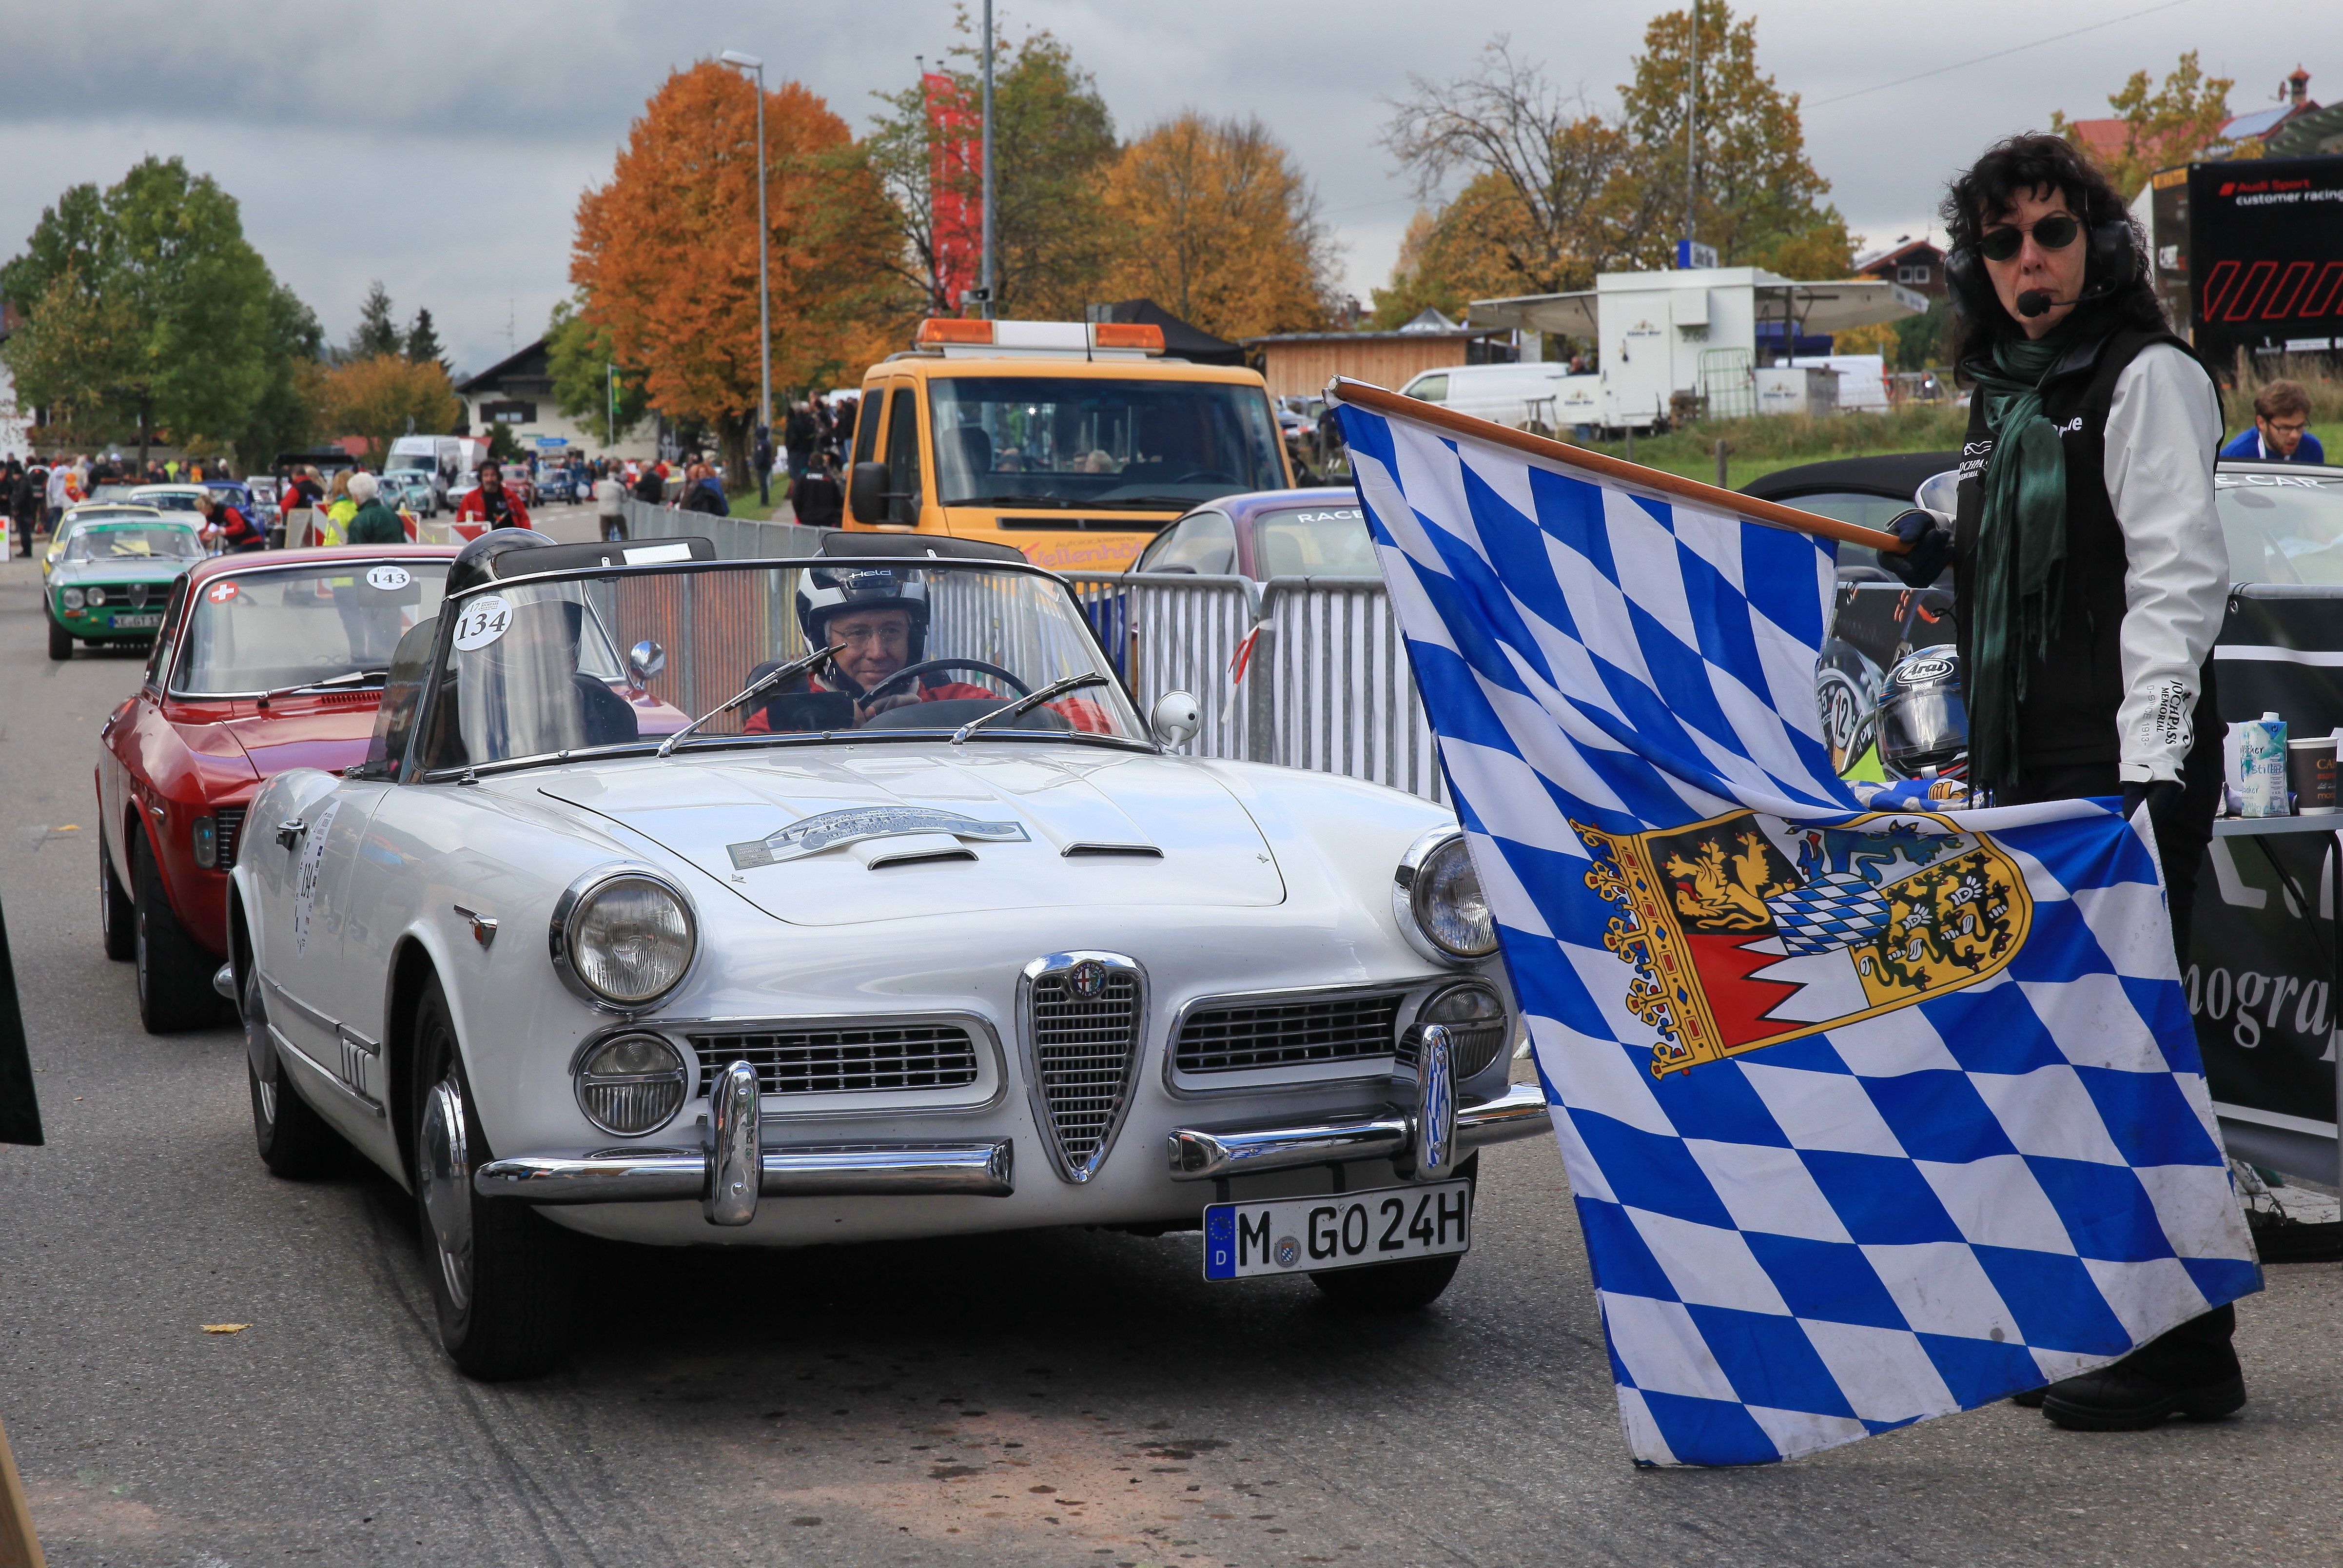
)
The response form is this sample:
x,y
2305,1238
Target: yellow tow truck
x,y
1075,442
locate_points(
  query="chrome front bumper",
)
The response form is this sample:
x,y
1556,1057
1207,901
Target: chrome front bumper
x,y
805,1171
1382,1132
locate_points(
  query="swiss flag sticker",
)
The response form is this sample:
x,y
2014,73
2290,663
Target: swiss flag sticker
x,y
221,593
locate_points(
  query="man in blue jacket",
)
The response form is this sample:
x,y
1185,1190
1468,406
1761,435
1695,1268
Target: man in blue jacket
x,y
2281,432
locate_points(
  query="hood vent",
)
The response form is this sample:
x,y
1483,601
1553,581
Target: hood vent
x,y
920,858
1141,851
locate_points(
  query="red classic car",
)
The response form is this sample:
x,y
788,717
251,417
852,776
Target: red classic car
x,y
264,661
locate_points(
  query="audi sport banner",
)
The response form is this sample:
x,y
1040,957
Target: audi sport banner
x,y
1868,1116
2265,257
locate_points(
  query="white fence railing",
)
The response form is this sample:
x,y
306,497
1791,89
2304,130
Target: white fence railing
x,y
1309,672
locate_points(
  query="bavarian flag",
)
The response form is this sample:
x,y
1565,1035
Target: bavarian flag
x,y
1869,1116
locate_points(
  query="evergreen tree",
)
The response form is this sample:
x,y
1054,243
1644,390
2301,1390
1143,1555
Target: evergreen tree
x,y
376,333
423,341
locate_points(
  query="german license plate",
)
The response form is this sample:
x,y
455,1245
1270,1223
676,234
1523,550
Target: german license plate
x,y
138,622
1341,1230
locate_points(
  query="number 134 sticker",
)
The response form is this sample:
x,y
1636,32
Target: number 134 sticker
x,y
482,621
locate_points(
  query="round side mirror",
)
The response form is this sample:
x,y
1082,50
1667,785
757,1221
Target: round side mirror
x,y
1175,718
645,659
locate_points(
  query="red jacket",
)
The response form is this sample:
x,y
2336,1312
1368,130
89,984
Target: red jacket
x,y
1078,712
476,509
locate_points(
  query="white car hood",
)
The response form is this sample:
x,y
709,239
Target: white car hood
x,y
1027,828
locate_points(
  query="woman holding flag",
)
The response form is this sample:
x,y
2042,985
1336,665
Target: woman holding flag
x,y
2091,576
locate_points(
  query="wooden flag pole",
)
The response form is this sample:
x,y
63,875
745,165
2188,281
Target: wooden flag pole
x,y
1365,395
19,1547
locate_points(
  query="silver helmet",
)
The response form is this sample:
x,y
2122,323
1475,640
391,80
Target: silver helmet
x,y
1921,721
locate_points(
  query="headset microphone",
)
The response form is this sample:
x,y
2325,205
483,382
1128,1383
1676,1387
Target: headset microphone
x,y
2033,302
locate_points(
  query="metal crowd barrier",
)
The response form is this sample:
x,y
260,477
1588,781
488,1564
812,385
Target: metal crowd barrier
x,y
1304,671
735,539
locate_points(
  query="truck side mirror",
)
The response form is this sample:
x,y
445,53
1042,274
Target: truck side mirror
x,y
866,492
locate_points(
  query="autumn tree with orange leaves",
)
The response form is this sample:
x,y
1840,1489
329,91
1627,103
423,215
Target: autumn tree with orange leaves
x,y
1213,221
664,256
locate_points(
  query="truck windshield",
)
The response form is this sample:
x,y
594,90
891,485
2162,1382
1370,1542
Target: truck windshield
x,y
1076,443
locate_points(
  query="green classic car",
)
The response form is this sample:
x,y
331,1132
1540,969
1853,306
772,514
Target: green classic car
x,y
113,577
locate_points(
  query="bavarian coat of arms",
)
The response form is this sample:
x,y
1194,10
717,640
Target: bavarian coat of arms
x,y
1746,930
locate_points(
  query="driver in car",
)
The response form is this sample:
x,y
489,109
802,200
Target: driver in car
x,y
875,621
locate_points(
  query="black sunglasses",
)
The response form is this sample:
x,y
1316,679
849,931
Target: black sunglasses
x,y
2056,232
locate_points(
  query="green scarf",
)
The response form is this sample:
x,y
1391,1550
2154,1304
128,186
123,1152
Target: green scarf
x,y
2018,573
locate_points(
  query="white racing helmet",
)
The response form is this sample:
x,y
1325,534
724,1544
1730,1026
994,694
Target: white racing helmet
x,y
826,591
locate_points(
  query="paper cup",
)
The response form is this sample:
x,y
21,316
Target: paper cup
x,y
2310,775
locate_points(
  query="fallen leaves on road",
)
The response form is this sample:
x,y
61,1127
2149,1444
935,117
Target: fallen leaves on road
x,y
226,1328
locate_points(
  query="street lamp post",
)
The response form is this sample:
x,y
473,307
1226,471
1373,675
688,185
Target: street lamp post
x,y
764,291
986,282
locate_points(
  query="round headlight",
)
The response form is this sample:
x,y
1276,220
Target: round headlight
x,y
1475,1017
96,598
628,940
75,599
632,1085
1444,898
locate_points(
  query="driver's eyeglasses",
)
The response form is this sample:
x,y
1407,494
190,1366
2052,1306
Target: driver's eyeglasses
x,y
2289,427
2056,232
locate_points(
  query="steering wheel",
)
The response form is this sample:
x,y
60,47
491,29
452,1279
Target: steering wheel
x,y
913,671
1204,477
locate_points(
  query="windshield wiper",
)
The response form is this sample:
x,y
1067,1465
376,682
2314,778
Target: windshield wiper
x,y
770,678
266,697
1165,503
1063,503
1056,689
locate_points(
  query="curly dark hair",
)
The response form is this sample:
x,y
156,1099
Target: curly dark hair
x,y
1989,189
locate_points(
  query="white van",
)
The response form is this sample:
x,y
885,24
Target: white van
x,y
1543,391
444,457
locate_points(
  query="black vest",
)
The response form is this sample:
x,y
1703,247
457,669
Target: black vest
x,y
2074,689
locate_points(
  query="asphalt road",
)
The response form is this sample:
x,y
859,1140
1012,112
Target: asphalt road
x,y
859,1405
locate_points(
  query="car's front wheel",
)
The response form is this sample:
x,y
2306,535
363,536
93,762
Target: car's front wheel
x,y
499,1271
295,1141
60,642
118,921
175,974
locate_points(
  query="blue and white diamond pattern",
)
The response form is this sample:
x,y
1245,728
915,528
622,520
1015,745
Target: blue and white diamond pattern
x,y
1918,1213
1837,909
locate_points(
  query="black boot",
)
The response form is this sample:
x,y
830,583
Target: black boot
x,y
2191,1371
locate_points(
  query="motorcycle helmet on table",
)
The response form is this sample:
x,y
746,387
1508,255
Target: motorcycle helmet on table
x,y
1921,723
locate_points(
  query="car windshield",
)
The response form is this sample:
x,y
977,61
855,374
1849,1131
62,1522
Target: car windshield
x,y
2282,527
167,501
134,542
1313,541
921,647
257,631
1068,442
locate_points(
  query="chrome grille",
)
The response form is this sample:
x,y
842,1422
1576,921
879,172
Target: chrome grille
x,y
1240,1036
1084,1048
856,1059
231,832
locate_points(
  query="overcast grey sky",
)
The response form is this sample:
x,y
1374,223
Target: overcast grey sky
x,y
441,145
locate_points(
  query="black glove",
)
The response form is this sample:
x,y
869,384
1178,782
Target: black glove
x,y
2163,799
1932,548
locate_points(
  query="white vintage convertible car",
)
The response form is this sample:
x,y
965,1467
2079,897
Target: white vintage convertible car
x,y
917,930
